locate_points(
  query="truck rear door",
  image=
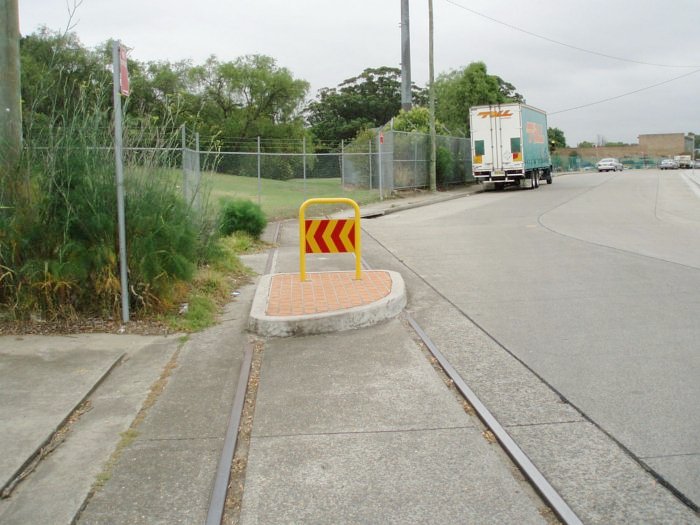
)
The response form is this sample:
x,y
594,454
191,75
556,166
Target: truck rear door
x,y
486,140
497,139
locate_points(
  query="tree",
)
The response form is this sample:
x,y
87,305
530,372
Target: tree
x,y
556,139
57,71
585,144
250,97
247,97
459,90
368,100
417,119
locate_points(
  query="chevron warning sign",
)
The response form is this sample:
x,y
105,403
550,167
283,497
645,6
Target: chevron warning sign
x,y
330,235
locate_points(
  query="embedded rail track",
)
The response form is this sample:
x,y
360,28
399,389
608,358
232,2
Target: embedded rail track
x,y
550,496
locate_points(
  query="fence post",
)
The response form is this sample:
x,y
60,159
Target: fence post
x,y
415,160
185,182
342,162
259,176
303,148
381,161
196,198
370,164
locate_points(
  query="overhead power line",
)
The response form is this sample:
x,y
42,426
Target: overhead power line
x,y
570,46
625,94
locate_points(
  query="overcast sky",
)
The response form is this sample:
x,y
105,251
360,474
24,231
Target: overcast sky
x,y
327,41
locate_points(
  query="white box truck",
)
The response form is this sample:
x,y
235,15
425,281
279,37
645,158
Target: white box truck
x,y
509,145
684,161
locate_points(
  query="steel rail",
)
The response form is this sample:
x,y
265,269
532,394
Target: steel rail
x,y
540,483
217,501
223,470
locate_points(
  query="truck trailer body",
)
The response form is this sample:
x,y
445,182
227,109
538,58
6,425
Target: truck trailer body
x,y
509,145
684,161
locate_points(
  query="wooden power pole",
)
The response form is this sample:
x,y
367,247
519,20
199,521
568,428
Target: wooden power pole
x,y
406,102
431,95
10,97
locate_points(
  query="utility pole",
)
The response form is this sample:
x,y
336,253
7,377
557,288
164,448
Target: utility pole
x,y
405,58
10,97
433,137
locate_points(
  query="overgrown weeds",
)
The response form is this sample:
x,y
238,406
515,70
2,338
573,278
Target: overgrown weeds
x,y
214,284
58,218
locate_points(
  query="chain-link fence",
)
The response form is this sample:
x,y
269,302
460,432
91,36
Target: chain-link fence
x,y
395,160
588,162
387,162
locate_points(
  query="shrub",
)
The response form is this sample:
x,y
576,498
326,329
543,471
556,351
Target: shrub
x,y
58,227
242,216
443,165
281,167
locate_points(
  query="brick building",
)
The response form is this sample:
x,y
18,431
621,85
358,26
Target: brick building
x,y
651,146
667,144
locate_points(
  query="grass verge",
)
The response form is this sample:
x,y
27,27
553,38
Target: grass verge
x,y
282,199
213,285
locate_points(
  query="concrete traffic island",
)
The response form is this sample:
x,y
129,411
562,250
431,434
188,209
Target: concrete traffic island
x,y
325,302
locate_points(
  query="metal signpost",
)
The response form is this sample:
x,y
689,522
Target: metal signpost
x,y
121,87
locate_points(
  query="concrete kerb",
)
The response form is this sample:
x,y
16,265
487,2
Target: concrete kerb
x,y
361,316
346,319
386,207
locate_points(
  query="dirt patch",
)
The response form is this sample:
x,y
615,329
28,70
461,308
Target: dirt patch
x,y
85,325
234,497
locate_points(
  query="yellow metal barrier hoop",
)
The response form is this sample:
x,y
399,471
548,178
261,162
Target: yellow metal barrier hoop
x,y
302,233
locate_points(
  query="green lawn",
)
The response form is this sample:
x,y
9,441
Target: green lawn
x,y
282,199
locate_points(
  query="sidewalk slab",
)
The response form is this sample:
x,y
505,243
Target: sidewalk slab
x,y
42,380
167,473
57,489
357,427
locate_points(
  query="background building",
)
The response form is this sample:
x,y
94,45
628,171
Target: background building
x,y
667,144
650,149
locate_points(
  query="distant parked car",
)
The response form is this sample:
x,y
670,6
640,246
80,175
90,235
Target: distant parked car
x,y
609,165
668,164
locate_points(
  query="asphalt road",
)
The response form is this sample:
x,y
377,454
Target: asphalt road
x,y
594,283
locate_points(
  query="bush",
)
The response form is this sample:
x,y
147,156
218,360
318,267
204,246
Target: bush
x,y
443,165
242,216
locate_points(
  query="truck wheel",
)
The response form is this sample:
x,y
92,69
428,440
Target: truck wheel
x,y
533,179
499,186
549,178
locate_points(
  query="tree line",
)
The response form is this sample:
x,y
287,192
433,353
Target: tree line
x,y
248,97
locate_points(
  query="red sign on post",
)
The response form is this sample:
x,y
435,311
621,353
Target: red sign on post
x,y
123,72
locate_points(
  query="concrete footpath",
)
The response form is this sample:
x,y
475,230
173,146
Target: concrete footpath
x,y
355,426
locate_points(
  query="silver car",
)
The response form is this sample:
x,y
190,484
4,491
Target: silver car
x,y
668,164
609,164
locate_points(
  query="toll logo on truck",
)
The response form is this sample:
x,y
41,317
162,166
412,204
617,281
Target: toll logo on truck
x,y
504,113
